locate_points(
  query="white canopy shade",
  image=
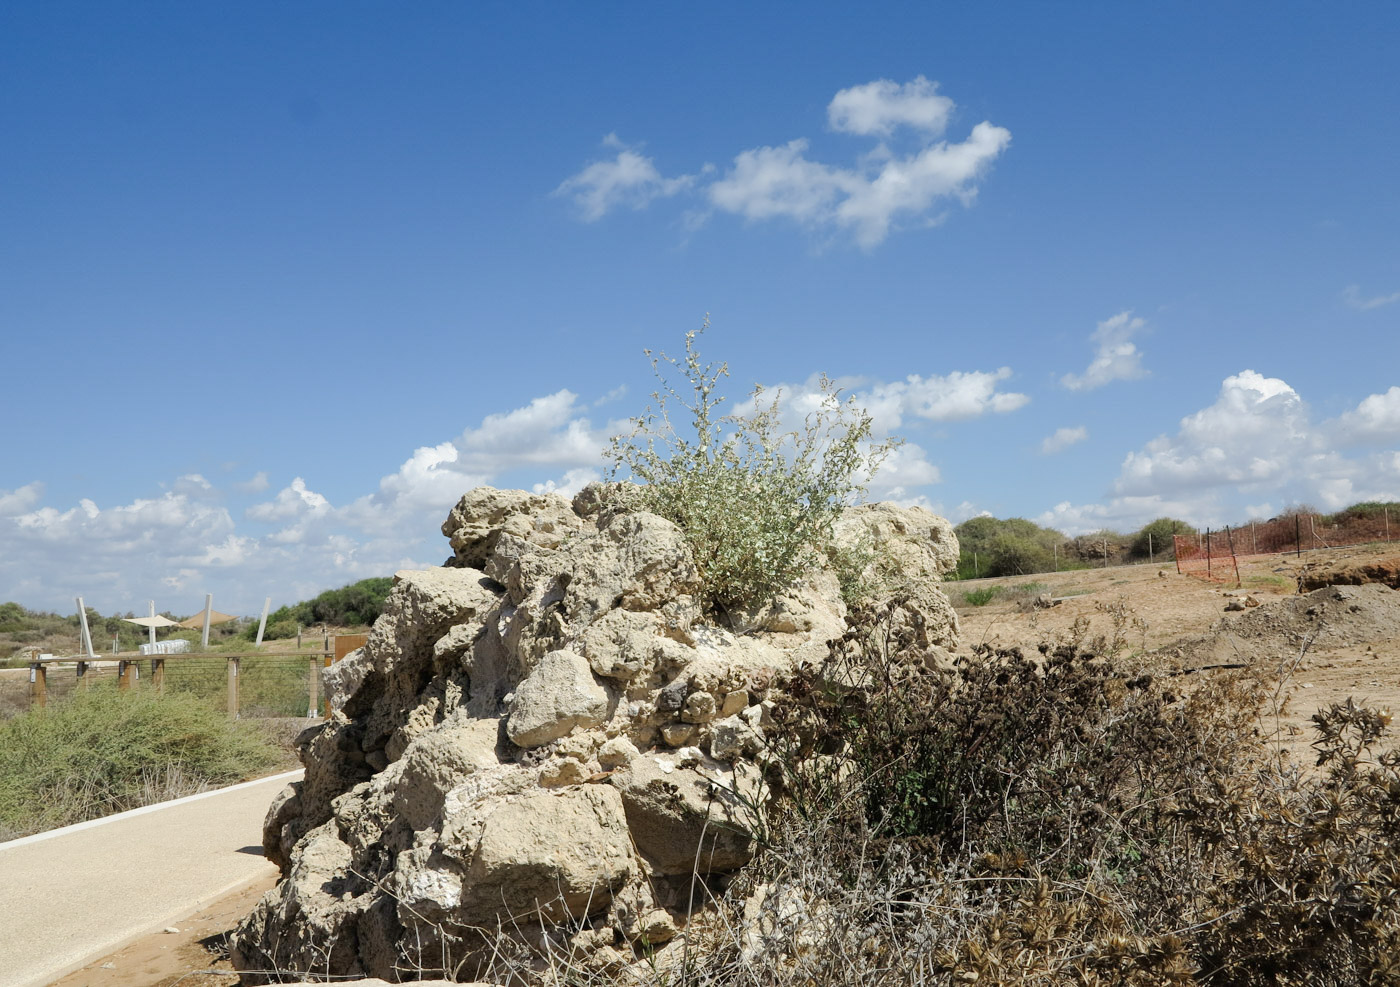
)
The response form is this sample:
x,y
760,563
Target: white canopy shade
x,y
156,621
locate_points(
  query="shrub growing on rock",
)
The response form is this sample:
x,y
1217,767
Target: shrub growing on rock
x,y
755,500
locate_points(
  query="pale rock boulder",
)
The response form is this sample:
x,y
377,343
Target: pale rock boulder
x,y
548,735
625,644
484,515
909,549
733,737
684,816
315,916
437,762
559,695
551,855
424,605
903,544
344,679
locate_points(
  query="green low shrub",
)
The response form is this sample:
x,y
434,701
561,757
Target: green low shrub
x,y
1154,539
107,751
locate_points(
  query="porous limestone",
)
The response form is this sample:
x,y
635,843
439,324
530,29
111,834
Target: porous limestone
x,y
547,733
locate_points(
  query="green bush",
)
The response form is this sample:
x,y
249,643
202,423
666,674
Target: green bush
x,y
994,547
756,502
356,605
107,751
1155,538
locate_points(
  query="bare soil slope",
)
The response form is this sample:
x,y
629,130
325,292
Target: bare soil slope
x,y
1329,644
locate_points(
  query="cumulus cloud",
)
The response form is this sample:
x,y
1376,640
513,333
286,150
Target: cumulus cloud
x,y
1116,357
1256,430
878,107
1063,439
19,501
902,474
1353,297
882,191
294,500
783,183
298,541
1375,419
1256,444
629,179
957,396
114,554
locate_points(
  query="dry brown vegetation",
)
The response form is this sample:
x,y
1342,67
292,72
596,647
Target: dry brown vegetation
x,y
1089,796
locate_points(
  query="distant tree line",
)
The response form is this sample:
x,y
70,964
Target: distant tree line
x,y
1014,546
356,605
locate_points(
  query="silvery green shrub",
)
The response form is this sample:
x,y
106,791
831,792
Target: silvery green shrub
x,y
755,500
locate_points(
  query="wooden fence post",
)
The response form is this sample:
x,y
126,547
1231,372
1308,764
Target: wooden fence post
x,y
127,674
158,675
84,680
233,688
38,684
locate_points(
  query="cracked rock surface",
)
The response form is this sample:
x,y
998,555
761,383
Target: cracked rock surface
x,y
547,733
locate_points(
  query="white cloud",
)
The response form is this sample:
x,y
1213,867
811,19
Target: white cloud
x,y
1352,296
257,484
781,182
966,509
298,542
1375,419
878,107
1116,357
1063,439
1257,429
19,501
1122,514
291,501
1257,444
569,484
882,191
957,396
629,179
903,472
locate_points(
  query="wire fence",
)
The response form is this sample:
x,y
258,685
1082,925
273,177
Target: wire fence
x,y
247,686
1212,555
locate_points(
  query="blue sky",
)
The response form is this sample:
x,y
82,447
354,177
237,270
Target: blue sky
x,y
279,282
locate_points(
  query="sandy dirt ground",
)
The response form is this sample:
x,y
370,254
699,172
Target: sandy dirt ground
x,y
194,955
1326,647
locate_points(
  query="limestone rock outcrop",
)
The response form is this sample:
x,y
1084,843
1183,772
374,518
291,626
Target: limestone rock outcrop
x,y
547,735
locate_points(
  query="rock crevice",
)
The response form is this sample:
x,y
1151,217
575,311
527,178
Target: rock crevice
x,y
548,730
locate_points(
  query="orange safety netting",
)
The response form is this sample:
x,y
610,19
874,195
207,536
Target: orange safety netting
x,y
1211,557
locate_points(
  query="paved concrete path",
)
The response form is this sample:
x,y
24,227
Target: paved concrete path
x,y
72,895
